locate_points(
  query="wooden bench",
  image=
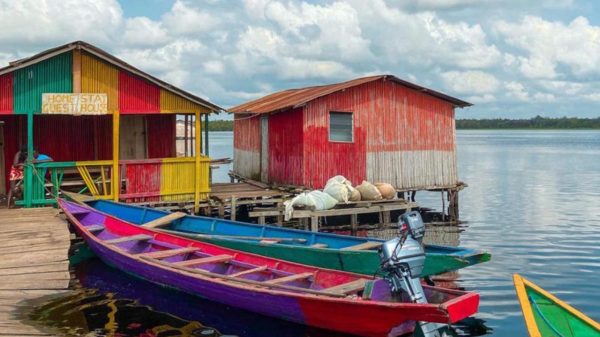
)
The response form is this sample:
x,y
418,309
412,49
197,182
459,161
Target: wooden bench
x,y
204,260
138,237
290,278
165,220
347,288
161,254
249,271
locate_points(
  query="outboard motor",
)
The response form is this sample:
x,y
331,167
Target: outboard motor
x,y
402,261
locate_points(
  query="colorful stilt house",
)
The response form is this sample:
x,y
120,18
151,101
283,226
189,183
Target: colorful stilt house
x,y
110,128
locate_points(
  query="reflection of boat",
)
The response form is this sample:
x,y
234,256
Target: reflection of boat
x,y
545,315
341,252
88,312
323,298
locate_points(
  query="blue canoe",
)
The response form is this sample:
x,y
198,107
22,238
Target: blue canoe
x,y
324,250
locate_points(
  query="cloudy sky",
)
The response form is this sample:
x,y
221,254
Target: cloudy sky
x,y
511,58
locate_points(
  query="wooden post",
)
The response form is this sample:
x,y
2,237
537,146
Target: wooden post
x,y
206,134
233,208
115,180
314,223
354,223
76,71
443,207
197,143
28,183
185,136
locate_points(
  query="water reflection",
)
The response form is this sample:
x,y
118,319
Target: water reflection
x,y
108,302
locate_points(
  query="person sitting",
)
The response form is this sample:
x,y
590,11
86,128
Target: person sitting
x,y
16,174
40,157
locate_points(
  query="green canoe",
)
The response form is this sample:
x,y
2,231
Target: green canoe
x,y
547,316
325,250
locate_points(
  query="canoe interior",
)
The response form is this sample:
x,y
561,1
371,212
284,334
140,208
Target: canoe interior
x,y
212,226
548,316
215,261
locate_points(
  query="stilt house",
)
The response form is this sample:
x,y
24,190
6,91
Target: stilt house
x,y
378,128
104,122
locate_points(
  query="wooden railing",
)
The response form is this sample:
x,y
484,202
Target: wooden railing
x,y
49,178
164,179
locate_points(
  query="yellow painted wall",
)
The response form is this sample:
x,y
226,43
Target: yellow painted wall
x,y
100,77
171,103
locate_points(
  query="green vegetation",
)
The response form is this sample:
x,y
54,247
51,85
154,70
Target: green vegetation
x,y
537,122
219,125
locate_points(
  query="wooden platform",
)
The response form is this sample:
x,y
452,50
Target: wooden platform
x,y
34,245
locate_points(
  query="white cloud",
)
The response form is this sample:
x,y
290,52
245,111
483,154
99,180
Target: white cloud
x,y
550,44
143,32
471,82
45,23
516,90
183,19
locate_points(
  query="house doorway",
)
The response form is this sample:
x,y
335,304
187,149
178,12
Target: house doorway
x,y
132,143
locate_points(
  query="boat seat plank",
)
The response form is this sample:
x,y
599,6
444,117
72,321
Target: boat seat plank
x,y
165,220
137,237
244,281
290,278
364,246
95,228
205,260
161,254
249,271
319,245
347,288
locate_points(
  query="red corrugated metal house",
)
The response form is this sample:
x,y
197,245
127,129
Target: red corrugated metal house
x,y
378,128
129,134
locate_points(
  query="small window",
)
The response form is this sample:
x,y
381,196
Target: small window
x,y
340,127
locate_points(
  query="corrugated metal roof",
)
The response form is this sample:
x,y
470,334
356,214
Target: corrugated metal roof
x,y
293,98
80,45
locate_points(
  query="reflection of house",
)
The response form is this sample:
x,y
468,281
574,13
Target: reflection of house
x,y
379,128
131,132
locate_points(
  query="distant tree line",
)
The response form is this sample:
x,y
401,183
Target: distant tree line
x,y
537,122
219,125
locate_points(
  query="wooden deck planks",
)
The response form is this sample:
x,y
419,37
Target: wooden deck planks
x,y
34,244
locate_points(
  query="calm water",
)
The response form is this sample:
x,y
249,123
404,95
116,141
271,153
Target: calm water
x,y
533,200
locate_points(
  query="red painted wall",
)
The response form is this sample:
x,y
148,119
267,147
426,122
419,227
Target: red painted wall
x,y
137,95
161,136
286,146
324,159
246,133
80,138
6,93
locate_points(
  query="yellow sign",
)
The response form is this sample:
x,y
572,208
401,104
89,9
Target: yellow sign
x,y
75,104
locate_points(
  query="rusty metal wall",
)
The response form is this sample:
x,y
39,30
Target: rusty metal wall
x,y
401,136
246,143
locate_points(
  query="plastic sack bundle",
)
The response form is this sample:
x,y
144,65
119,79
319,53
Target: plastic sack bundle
x,y
341,189
387,190
314,199
368,191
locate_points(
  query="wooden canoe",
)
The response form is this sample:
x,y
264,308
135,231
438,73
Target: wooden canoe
x,y
340,252
328,299
547,316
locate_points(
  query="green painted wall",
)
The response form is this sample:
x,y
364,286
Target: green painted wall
x,y
53,75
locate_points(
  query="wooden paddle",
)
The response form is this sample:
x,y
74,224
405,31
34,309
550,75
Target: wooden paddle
x,y
239,237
